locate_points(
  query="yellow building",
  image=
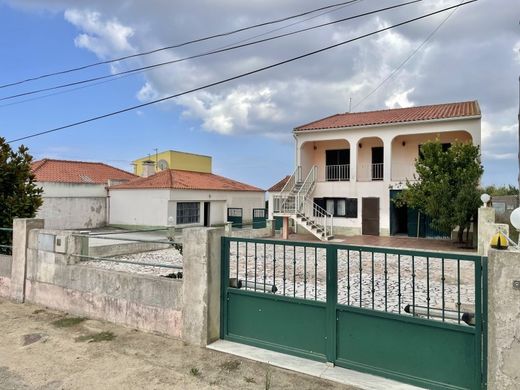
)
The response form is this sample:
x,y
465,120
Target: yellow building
x,y
172,159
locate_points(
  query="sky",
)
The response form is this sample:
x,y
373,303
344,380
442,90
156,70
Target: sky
x,y
246,124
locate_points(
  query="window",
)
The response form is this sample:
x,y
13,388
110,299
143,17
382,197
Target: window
x,y
339,207
188,212
337,164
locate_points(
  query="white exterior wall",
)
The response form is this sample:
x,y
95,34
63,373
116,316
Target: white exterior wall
x,y
220,202
398,160
73,206
153,207
147,207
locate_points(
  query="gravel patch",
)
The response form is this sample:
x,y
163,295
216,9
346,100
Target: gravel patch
x,y
363,281
170,256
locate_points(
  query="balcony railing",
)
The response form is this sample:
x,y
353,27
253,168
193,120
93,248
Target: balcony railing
x,y
377,171
337,172
370,172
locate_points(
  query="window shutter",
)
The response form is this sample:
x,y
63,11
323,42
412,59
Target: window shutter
x,y
352,207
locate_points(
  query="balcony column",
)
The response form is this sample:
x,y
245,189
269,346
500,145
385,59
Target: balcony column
x,y
387,159
353,158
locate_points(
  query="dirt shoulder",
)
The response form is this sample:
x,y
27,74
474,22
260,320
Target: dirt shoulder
x,y
47,350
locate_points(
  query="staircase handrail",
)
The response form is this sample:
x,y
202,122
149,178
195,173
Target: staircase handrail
x,y
308,183
289,185
319,214
284,194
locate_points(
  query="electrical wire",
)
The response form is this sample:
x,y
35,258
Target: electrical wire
x,y
197,40
138,72
225,49
308,54
413,53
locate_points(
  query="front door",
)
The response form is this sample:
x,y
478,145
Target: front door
x,y
207,222
370,216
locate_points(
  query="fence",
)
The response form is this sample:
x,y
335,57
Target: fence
x,y
432,285
112,236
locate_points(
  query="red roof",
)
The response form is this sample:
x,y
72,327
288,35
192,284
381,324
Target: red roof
x,y
279,186
63,171
396,115
186,180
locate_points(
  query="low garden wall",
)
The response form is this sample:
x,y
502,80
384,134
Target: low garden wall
x,y
56,279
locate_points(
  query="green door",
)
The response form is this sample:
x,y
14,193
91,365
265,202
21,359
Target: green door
x,y
259,218
234,215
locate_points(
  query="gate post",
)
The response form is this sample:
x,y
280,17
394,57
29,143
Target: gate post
x,y
201,285
21,228
332,300
503,355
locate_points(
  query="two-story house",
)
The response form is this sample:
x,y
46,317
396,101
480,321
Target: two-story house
x,y
349,166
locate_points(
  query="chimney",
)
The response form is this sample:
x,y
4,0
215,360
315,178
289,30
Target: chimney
x,y
148,168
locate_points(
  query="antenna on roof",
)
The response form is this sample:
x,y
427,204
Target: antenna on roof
x,y
350,104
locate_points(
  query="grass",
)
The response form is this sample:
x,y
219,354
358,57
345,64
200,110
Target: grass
x,y
195,372
230,365
67,322
96,337
249,379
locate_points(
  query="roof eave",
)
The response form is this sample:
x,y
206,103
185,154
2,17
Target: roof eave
x,y
458,118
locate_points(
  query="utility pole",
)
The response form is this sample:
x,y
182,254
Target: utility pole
x,y
519,141
350,107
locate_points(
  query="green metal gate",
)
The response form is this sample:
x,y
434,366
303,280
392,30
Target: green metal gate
x,y
234,215
413,316
259,218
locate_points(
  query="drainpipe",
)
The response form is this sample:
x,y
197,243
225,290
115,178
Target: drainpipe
x,y
108,207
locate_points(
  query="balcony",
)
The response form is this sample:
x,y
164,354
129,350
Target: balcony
x,y
337,172
370,172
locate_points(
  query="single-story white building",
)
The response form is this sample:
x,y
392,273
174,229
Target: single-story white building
x,y
183,199
75,192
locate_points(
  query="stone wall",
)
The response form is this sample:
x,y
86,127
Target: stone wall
x,y
55,279
487,228
503,319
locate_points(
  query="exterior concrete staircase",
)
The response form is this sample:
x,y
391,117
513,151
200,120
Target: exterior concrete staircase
x,y
296,202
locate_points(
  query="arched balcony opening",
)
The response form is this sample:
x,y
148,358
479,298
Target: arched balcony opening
x,y
370,166
405,151
332,158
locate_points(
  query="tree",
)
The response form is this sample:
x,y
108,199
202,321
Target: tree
x,y
500,190
19,195
447,185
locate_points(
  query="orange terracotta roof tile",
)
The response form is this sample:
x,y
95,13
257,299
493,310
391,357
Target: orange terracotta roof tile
x,y
64,171
186,180
396,115
279,186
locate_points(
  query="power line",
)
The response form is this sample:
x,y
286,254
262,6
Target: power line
x,y
138,72
224,49
92,119
197,40
414,52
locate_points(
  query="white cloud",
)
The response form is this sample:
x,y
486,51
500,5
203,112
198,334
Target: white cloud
x,y
147,93
105,37
516,52
399,99
473,56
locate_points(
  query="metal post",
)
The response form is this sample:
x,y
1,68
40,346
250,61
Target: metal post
x,y
519,141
